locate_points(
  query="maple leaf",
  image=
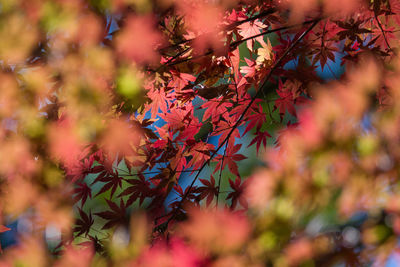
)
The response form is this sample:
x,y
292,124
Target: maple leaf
x,y
143,127
165,181
230,157
265,54
192,127
200,153
209,191
233,60
249,70
185,96
82,192
257,119
175,119
215,108
115,216
237,194
76,256
183,120
189,192
83,225
236,16
111,182
352,30
285,102
250,29
180,80
179,162
140,189
80,169
385,36
395,8
224,128
323,53
261,137
159,100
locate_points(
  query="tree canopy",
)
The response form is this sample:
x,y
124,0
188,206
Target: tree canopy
x,y
199,133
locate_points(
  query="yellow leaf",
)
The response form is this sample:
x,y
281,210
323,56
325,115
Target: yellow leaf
x,y
264,53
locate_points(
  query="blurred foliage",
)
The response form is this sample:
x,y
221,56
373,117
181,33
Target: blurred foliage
x,y
199,133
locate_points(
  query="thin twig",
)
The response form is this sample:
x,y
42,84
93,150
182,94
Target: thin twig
x,y
220,176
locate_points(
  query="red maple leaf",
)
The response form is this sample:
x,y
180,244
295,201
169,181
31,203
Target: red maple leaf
x,y
224,128
285,102
230,159
257,119
250,29
159,100
237,194
180,80
214,109
208,191
261,137
200,153
249,70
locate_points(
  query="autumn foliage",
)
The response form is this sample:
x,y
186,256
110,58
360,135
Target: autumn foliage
x,y
199,133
